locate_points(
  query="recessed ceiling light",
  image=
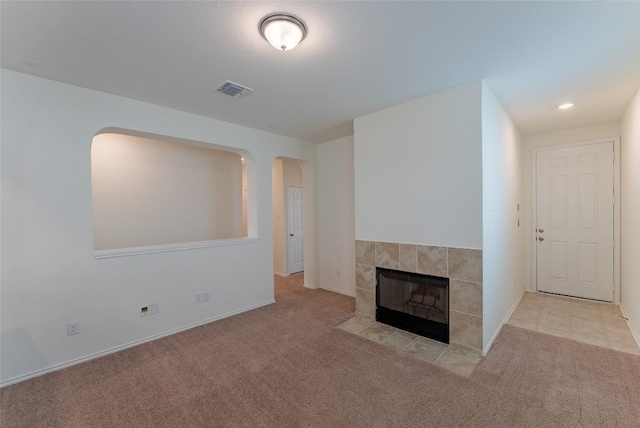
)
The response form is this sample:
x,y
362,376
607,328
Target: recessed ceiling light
x,y
565,106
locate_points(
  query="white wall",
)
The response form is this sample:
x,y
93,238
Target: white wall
x,y
529,143
291,173
502,243
150,192
336,223
49,274
418,171
630,215
279,257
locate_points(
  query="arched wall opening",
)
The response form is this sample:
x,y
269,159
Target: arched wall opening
x,y
293,219
151,191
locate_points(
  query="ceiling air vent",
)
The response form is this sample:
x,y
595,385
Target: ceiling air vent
x,y
233,89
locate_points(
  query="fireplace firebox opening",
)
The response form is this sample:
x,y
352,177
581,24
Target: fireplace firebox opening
x,y
413,302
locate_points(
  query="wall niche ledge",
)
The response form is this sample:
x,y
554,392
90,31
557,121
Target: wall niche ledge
x,y
165,248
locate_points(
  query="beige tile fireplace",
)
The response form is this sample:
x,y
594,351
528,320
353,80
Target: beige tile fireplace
x,y
462,266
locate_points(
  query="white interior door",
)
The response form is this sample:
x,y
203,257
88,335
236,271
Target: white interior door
x,y
295,248
574,216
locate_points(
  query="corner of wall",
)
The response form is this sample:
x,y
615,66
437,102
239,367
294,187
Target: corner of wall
x,y
630,197
335,214
501,230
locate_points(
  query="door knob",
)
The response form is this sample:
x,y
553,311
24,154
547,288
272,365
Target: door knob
x,y
540,230
291,234
541,239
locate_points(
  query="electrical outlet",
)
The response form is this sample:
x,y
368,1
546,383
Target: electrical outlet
x,y
202,297
73,327
147,310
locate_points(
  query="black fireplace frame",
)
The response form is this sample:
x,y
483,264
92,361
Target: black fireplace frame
x,y
411,323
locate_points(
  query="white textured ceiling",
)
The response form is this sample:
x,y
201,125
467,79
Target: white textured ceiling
x,y
359,57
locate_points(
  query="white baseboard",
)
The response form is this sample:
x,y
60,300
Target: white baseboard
x,y
634,332
312,287
280,274
336,290
502,323
106,352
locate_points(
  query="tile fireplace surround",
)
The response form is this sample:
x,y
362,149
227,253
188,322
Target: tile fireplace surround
x,y
462,266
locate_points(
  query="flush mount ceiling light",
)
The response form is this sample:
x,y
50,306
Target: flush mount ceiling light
x,y
282,31
565,106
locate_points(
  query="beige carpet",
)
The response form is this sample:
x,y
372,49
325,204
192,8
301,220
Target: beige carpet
x,y
286,365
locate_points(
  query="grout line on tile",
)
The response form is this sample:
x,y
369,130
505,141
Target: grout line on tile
x,y
466,313
443,351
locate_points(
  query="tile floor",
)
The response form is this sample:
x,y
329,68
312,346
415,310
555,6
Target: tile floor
x,y
455,358
590,322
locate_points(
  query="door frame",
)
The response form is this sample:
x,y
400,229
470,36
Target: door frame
x,y
616,209
288,232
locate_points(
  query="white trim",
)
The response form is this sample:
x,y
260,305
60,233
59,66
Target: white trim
x,y
164,248
634,332
106,352
312,287
577,299
502,323
280,274
617,218
616,209
336,290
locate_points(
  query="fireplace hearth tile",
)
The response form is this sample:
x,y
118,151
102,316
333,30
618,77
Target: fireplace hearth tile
x,y
465,297
387,255
407,334
458,360
432,342
356,324
465,329
432,260
408,258
398,340
465,264
377,332
453,357
465,351
366,253
366,277
427,351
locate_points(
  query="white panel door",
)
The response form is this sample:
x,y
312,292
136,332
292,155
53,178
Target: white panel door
x,y
296,229
574,230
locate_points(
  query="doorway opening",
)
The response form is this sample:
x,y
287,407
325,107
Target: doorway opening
x,y
288,217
